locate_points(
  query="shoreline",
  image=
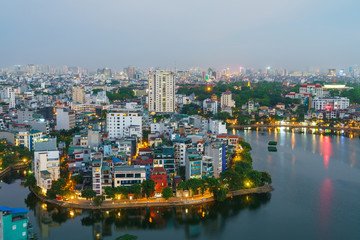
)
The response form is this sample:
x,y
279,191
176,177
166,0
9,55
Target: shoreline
x,y
175,201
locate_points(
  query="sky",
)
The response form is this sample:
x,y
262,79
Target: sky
x,y
291,34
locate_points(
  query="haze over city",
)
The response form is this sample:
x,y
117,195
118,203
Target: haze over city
x,y
232,33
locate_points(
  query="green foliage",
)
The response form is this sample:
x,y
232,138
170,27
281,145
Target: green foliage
x,y
246,156
265,178
255,177
213,184
135,189
148,187
352,94
58,188
243,168
223,116
122,94
109,191
30,181
167,193
98,200
231,179
96,91
203,186
145,134
190,109
122,190
245,145
77,179
220,194
182,186
193,184
182,172
88,194
127,237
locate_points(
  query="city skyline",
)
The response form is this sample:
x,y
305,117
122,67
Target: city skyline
x,y
184,34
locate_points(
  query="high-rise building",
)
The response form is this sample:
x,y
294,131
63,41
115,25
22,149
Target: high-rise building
x,y
121,124
78,95
161,92
65,119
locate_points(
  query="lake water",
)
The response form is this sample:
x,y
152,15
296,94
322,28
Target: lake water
x,y
317,196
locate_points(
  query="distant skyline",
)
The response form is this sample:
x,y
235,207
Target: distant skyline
x,y
232,33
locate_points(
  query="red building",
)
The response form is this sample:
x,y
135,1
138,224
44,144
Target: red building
x,y
159,176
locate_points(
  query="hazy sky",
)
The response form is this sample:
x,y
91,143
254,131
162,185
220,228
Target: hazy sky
x,y
216,33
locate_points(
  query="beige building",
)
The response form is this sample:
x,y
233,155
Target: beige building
x,y
226,99
78,95
161,92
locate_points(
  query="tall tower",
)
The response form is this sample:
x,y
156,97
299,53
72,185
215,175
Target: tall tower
x,y
161,92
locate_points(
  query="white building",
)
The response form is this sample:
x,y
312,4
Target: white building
x,y
28,139
121,124
335,103
161,94
217,127
65,119
314,89
226,99
46,163
129,175
215,151
210,106
180,146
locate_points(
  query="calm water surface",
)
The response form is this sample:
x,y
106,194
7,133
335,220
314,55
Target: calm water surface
x,y
317,196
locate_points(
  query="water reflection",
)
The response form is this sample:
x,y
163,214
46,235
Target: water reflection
x,y
326,149
206,219
326,195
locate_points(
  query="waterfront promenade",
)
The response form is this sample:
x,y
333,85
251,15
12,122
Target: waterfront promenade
x,y
345,129
151,202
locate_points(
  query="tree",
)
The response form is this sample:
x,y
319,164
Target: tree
x,y
190,109
203,186
88,194
127,237
242,167
265,178
109,191
231,179
122,190
245,145
30,181
255,177
78,179
222,116
213,184
98,200
220,194
194,185
167,193
181,186
182,172
135,189
148,187
58,188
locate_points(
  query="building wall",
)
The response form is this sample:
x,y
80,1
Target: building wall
x,y
117,123
161,92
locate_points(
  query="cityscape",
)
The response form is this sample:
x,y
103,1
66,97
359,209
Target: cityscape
x,y
179,135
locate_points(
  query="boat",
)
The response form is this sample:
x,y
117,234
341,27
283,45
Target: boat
x,y
273,143
272,149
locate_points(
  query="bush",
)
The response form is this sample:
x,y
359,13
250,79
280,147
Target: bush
x,y
98,200
167,193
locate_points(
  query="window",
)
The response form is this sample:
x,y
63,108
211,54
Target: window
x,y
137,175
14,227
130,175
